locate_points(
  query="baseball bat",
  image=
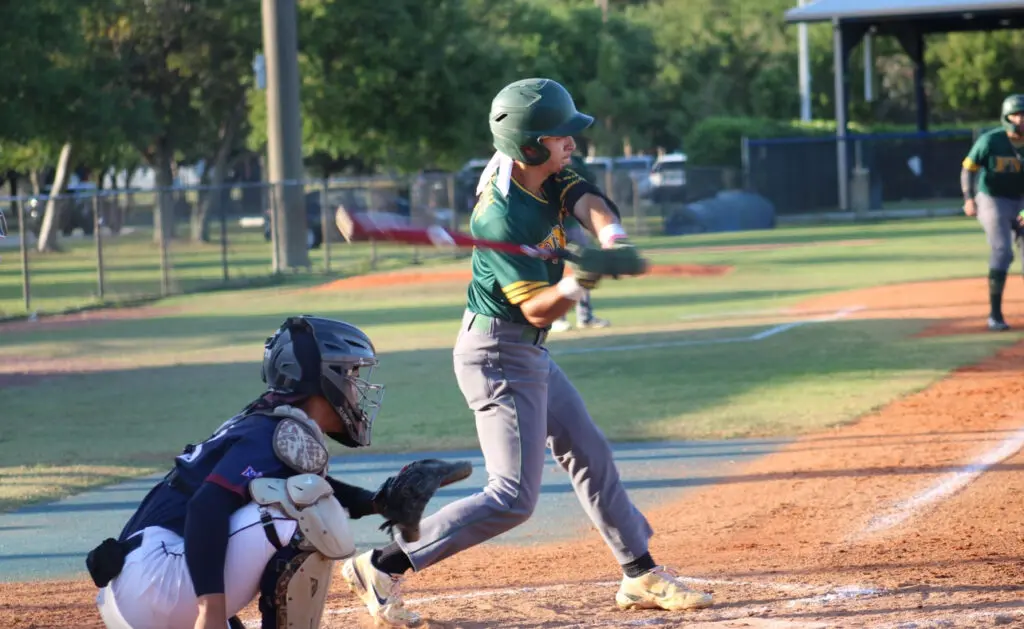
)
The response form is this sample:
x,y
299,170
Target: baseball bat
x,y
385,226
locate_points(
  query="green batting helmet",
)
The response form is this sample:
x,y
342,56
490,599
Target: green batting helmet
x,y
1013,104
527,110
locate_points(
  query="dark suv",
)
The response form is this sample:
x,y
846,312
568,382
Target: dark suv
x,y
75,210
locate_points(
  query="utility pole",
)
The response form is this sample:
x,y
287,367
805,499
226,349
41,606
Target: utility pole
x,y
804,70
284,134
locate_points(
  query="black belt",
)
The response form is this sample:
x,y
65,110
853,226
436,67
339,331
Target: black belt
x,y
528,334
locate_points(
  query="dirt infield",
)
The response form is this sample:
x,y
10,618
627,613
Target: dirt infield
x,y
911,517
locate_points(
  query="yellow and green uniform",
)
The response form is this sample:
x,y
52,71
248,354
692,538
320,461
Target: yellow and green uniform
x,y
996,161
502,281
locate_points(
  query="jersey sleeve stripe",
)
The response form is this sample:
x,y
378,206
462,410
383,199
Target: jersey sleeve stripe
x,y
970,165
217,479
520,295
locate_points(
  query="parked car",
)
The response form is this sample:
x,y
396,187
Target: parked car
x,y
314,228
465,184
668,178
638,168
350,198
75,210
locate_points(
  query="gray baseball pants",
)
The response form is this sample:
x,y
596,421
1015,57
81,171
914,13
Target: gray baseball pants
x,y
524,403
998,217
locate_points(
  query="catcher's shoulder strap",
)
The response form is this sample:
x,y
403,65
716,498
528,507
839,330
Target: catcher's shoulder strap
x,y
299,442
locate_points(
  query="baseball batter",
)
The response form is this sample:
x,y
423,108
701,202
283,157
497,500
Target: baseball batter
x,y
522,400
251,510
992,180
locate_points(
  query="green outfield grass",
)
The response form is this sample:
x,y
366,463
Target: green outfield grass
x,y
132,271
139,390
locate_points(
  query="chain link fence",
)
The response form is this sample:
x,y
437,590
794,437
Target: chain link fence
x,y
116,246
892,170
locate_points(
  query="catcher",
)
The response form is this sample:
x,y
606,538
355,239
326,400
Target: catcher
x,y
251,511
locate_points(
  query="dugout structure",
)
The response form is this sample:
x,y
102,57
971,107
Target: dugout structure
x,y
910,22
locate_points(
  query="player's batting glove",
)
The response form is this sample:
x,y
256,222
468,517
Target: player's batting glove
x,y
402,498
589,264
586,265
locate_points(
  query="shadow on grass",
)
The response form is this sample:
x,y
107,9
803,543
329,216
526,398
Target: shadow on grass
x,y
239,326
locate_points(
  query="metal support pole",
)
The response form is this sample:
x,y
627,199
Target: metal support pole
x,y
803,52
841,93
869,68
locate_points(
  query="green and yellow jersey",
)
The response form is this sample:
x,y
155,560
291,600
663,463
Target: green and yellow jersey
x,y
502,281
997,162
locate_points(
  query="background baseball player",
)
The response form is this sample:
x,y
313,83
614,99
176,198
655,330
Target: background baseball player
x,y
522,400
575,233
224,524
992,180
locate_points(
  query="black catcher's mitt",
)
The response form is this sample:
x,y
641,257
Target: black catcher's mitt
x,y
402,498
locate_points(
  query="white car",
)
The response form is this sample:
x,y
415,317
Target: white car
x,y
668,177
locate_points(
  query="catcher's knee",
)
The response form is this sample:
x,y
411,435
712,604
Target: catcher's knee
x,y
293,589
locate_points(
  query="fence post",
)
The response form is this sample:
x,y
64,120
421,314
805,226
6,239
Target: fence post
x,y
745,162
223,234
97,224
167,205
275,233
325,230
638,223
26,292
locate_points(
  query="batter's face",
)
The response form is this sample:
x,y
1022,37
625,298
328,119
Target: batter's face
x,y
1016,119
561,149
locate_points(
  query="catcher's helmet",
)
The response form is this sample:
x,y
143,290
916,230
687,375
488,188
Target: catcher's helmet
x,y
316,356
527,110
1013,104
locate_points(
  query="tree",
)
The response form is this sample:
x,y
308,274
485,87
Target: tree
x,y
188,63
410,99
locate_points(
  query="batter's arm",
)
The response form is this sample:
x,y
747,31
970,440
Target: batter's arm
x,y
550,304
596,216
967,183
591,207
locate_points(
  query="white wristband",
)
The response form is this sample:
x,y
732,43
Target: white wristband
x,y
569,288
610,233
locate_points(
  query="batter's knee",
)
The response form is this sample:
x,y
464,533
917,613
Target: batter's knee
x,y
1001,258
513,508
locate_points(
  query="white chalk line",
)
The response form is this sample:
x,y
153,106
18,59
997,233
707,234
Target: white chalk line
x,y
945,487
759,336
519,591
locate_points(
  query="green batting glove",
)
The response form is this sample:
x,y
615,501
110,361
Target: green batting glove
x,y
586,265
589,264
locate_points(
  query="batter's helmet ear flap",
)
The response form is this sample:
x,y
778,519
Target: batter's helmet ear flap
x,y
535,155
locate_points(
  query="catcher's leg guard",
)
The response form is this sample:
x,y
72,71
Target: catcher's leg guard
x,y
293,589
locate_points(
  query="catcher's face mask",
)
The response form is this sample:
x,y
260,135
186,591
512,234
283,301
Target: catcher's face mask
x,y
346,384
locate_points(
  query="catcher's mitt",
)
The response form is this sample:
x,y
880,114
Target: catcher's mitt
x,y
402,498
